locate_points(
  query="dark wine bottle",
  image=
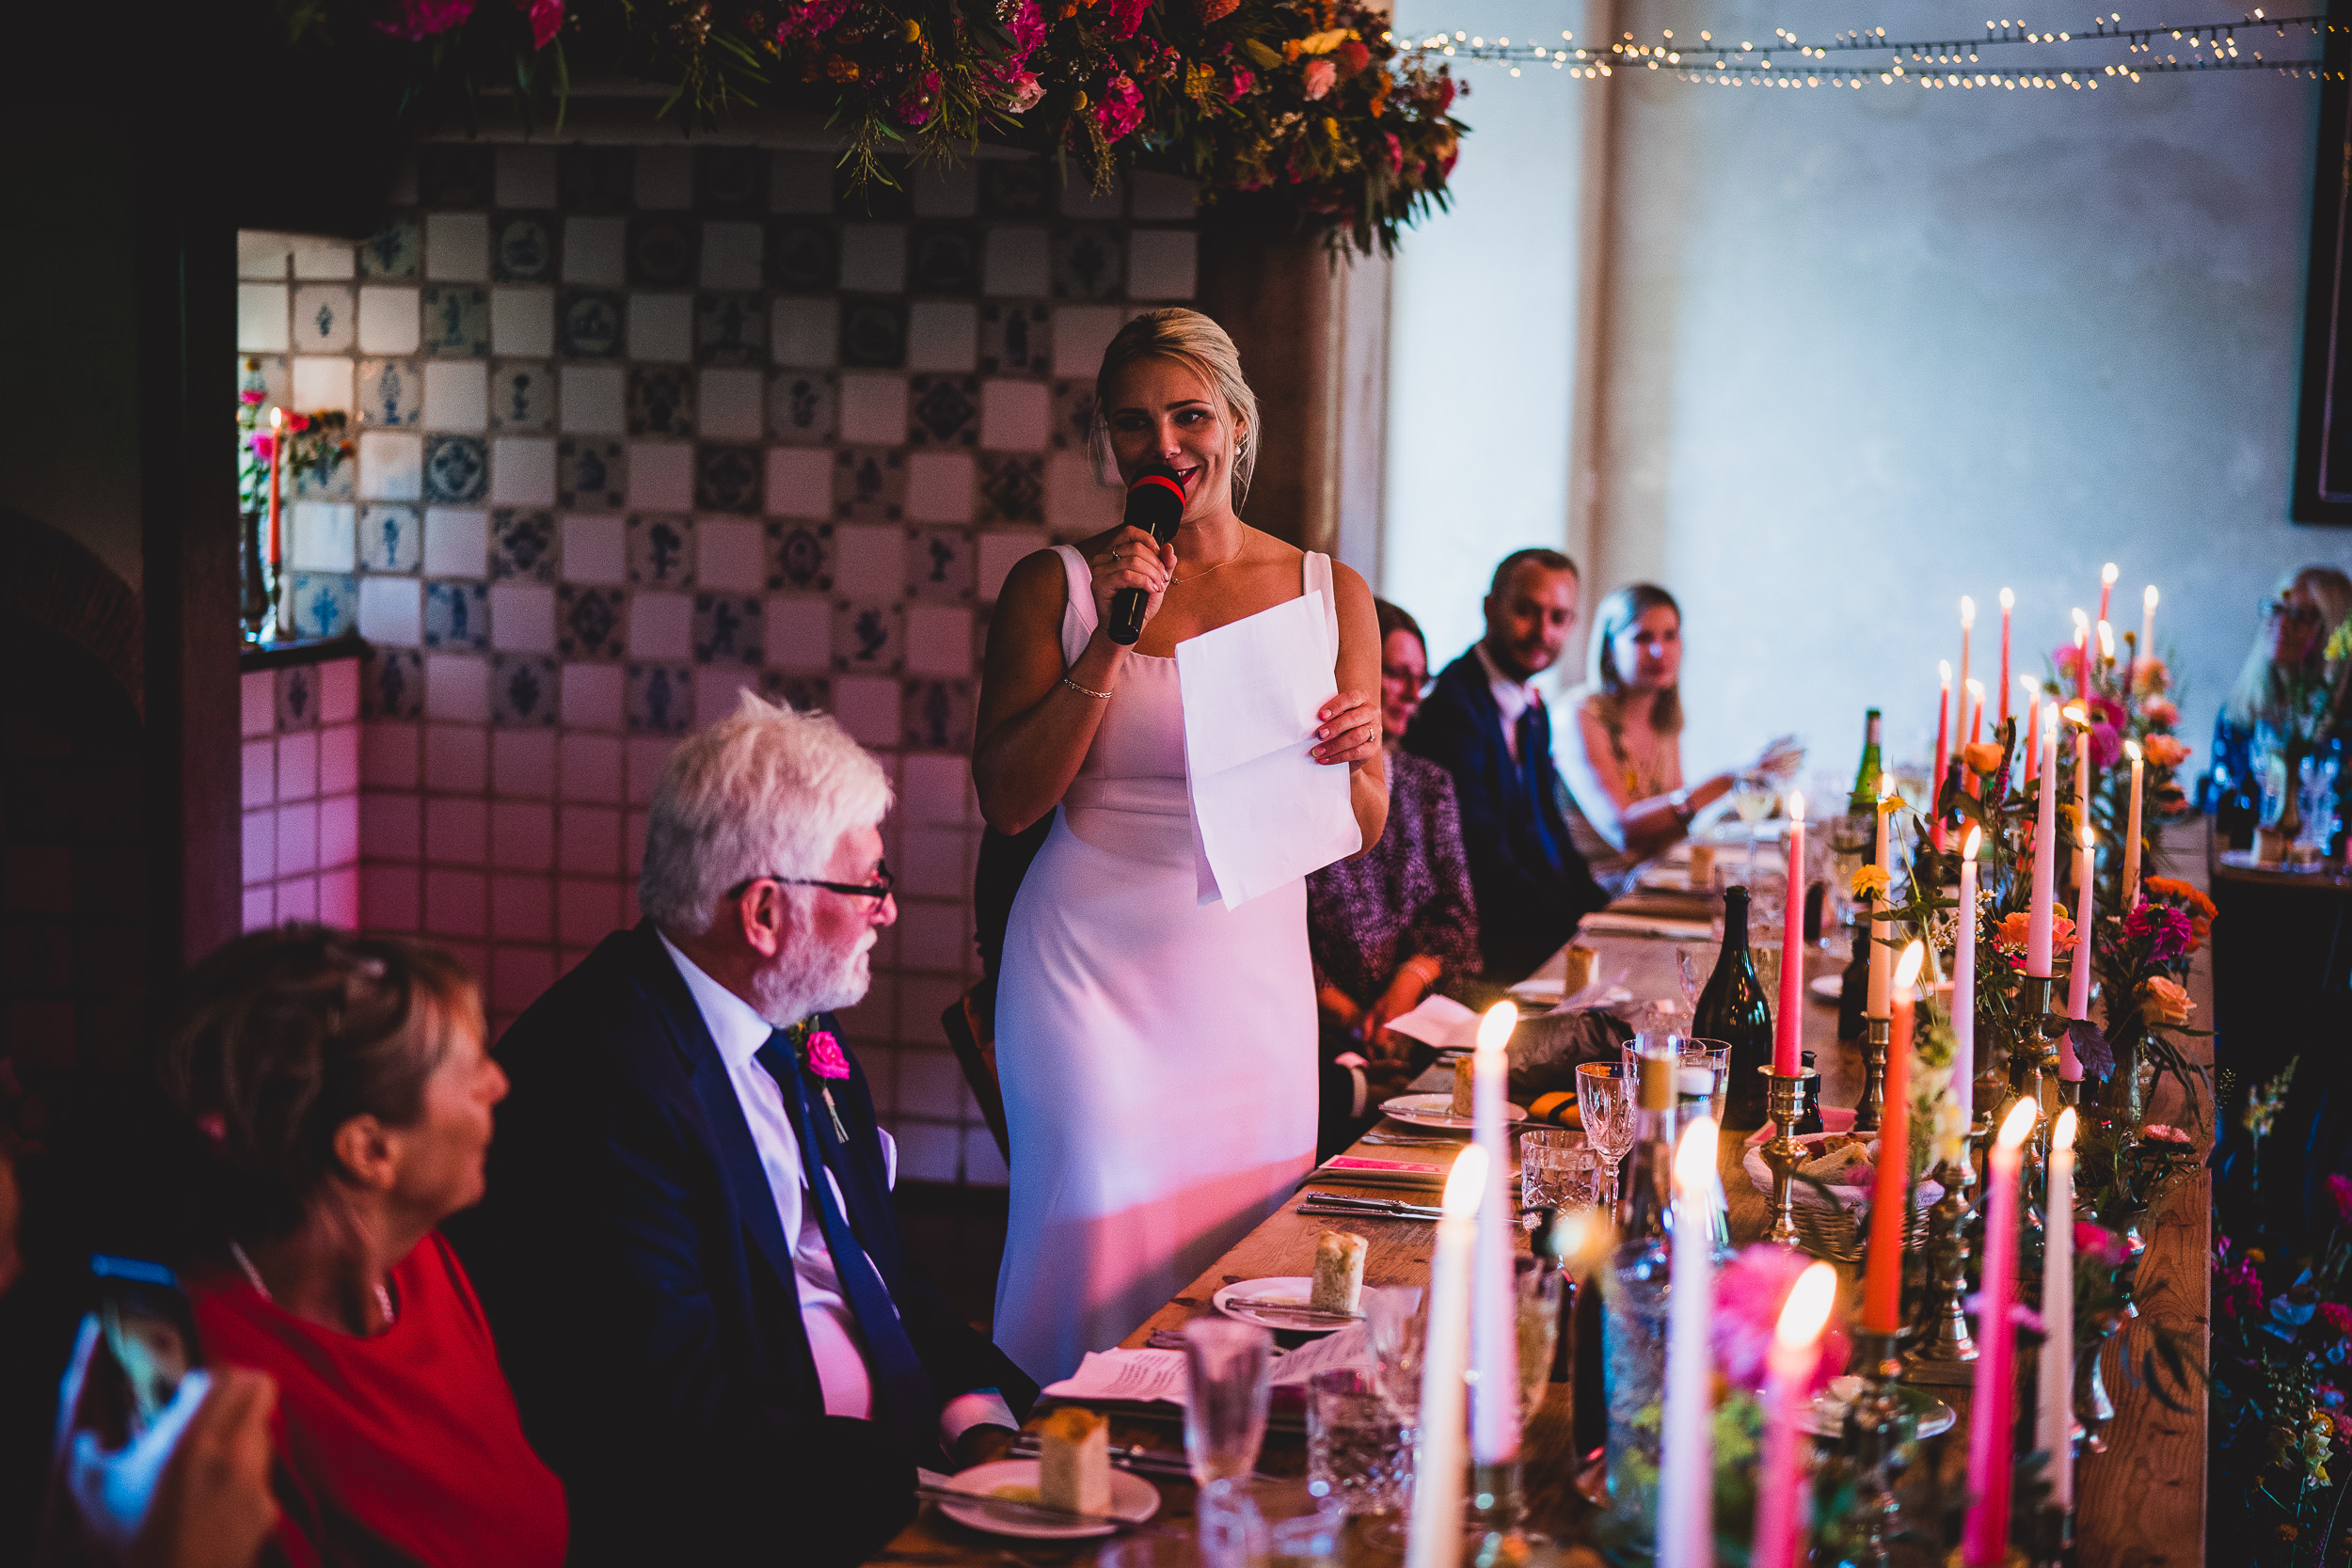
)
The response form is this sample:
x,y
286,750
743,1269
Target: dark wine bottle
x,y
1733,1010
1865,798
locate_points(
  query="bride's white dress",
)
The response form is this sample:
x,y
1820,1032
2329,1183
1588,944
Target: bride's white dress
x,y
1158,1057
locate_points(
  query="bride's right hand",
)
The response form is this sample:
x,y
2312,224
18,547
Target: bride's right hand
x,y
1133,559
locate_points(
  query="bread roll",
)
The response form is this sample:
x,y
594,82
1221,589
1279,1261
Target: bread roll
x,y
1463,1076
1339,1274
1580,974
1074,1461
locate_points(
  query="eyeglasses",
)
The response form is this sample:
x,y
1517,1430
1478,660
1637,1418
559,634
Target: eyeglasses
x,y
1420,682
2301,614
876,889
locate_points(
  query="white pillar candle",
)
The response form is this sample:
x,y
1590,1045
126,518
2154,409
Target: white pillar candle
x,y
2039,905
1967,631
2054,1402
2079,969
1434,1533
1494,1299
1686,1476
1965,971
2148,623
2130,899
1882,958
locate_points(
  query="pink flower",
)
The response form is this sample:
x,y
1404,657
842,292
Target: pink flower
x,y
1320,74
2101,1245
252,396
2166,930
2069,665
1021,92
915,105
1749,1294
2338,1318
1394,161
2160,1133
2340,1194
824,1055
811,19
547,17
264,447
421,19
2161,710
1244,79
214,1126
1027,26
1121,108
1122,17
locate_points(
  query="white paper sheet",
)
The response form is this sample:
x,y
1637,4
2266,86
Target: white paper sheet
x,y
1441,1021
1264,811
1148,1375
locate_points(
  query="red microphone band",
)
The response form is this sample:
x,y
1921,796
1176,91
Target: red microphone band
x,y
1158,479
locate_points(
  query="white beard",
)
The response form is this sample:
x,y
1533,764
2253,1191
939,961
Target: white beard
x,y
806,980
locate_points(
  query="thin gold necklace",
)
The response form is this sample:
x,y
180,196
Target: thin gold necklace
x,y
1206,570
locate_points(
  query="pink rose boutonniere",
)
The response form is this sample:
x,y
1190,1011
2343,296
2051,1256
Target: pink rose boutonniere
x,y
825,1058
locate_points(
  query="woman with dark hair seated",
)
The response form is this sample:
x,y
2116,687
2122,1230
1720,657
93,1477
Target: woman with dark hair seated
x,y
343,1085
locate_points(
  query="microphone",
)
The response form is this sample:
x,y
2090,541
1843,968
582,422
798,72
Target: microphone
x,y
1155,503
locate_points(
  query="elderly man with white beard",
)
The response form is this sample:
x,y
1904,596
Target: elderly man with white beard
x,y
725,1359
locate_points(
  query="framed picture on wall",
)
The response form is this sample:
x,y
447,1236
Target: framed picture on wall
x,y
2323,438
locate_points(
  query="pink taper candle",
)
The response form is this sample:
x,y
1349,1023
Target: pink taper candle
x,y
2079,969
2082,662
2037,909
1964,971
2009,602
2107,575
1967,629
1883,1279
2147,624
1882,957
2130,900
1686,1449
1434,1535
1494,1296
1943,748
1984,1540
1788,1022
1782,1496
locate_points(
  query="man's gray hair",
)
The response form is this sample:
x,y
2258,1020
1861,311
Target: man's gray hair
x,y
765,792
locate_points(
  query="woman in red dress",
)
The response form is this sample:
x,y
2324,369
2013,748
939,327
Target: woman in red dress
x,y
346,1086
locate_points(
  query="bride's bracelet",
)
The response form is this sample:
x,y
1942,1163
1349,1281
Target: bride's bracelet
x,y
1086,692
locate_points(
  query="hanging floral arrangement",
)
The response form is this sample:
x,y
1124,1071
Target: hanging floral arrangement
x,y
1297,111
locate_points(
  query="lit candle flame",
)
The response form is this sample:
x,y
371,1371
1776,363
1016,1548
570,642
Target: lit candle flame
x,y
2148,599
2131,750
277,418
2109,573
2018,1123
2009,600
2090,839
1944,670
1805,1312
1968,847
1907,967
2107,641
1694,1158
1494,1030
2063,1129
1967,610
2032,687
1796,806
1467,1183
2075,714
2082,622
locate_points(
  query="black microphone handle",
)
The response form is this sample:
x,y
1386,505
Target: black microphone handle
x,y
1127,615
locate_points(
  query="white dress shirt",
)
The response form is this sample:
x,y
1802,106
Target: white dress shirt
x,y
833,1339
1514,697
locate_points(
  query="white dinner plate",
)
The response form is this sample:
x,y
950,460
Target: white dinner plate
x,y
1284,1288
1826,1416
1133,1498
1829,987
1437,1110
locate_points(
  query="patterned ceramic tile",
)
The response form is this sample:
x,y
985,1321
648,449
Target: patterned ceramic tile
x,y
808,693
660,400
1015,339
456,470
867,639
800,555
662,551
335,479
943,259
392,683
522,545
874,333
596,178
268,375
730,328
944,411
324,603
1013,488
660,698
457,616
726,478
803,254
663,249
457,321
394,250
726,629
869,484
391,391
455,174
591,473
939,563
730,182
522,691
1090,262
295,688
323,319
803,406
391,538
1015,190
590,324
938,715
589,623
522,395
523,248
1072,415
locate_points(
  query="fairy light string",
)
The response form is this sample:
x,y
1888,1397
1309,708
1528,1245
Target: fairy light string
x,y
2169,49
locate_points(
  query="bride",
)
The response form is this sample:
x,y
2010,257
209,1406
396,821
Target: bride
x,y
1157,1056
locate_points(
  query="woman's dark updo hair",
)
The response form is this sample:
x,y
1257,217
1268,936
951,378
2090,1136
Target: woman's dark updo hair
x,y
282,1036
1398,618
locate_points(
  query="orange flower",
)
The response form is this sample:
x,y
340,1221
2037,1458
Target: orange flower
x,y
2167,1001
2199,905
2010,938
1981,756
2165,752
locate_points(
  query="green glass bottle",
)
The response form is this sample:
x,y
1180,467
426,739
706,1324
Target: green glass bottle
x,y
1734,1010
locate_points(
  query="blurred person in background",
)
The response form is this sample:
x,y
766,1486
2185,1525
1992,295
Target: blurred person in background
x,y
2298,616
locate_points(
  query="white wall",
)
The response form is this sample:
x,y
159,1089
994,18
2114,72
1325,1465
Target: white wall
x,y
1482,334
1873,350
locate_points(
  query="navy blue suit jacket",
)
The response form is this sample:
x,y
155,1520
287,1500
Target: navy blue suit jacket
x,y
640,1286
1529,902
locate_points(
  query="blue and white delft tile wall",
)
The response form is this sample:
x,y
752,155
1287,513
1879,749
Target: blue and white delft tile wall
x,y
637,427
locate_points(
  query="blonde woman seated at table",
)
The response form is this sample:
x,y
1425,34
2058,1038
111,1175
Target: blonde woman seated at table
x,y
1622,758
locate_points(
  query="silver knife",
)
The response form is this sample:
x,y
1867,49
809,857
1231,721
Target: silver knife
x,y
1371,1205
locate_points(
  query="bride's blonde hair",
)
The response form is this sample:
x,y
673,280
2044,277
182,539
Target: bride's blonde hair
x,y
1194,341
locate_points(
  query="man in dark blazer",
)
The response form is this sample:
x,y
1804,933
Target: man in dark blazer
x,y
1484,723
688,1252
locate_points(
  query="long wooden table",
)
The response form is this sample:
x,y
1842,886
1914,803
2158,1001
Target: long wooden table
x,y
2141,1503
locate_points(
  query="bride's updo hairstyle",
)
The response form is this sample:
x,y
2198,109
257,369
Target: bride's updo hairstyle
x,y
1191,340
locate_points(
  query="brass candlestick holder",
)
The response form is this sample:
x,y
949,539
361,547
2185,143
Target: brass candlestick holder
x,y
1872,1106
1943,1350
1784,1098
1870,1450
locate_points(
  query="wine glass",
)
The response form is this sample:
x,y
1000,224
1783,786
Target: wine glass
x,y
1604,1098
1753,794
1229,1368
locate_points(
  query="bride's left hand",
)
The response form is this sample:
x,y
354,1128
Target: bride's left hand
x,y
1348,730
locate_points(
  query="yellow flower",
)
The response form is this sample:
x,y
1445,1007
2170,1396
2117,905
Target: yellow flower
x,y
2340,640
1891,802
1869,881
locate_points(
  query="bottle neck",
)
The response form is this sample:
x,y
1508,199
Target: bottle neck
x,y
1735,921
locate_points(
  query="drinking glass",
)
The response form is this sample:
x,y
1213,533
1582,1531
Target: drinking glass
x,y
1696,963
1229,1370
1559,1169
1397,1329
1714,1056
1753,796
1766,956
1360,1449
1539,1290
1604,1098
1244,1523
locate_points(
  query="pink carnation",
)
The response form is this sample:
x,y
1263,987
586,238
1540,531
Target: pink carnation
x,y
1244,79
915,103
421,19
251,395
1320,74
264,447
2160,710
2340,1194
2338,1316
2166,930
547,18
1121,108
1749,1294
2069,665
1027,26
2099,1245
1021,92
825,1058
1122,17
811,19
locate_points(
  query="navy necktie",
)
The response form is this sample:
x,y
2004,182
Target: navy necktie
x,y
1535,776
901,1386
